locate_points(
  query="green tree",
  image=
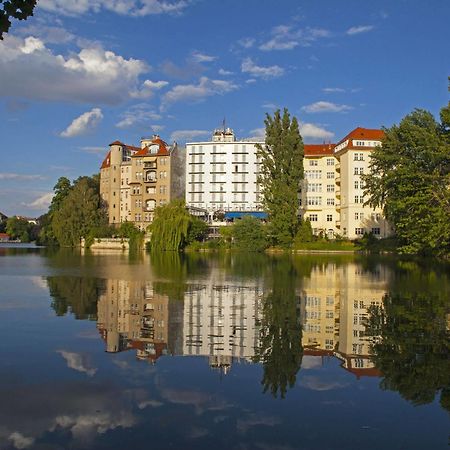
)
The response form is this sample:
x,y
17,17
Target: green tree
x,y
78,213
170,227
411,346
304,233
281,172
410,178
18,228
198,230
249,234
14,9
280,350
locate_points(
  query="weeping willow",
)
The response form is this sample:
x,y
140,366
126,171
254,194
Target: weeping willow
x,y
170,226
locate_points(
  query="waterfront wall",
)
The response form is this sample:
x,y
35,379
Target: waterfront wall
x,y
107,244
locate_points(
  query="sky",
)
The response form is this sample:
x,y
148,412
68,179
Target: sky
x,y
81,74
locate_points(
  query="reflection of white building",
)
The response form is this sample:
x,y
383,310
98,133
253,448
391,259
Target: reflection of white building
x,y
221,322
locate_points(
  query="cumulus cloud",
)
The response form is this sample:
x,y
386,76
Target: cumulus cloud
x,y
258,134
309,130
77,362
285,37
20,441
41,203
32,70
148,88
322,106
136,8
224,72
264,72
19,176
359,29
138,115
183,136
202,57
195,92
83,124
246,42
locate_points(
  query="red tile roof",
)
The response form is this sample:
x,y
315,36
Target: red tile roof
x,y
116,143
106,162
318,149
163,149
364,134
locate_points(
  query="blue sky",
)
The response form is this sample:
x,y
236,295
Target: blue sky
x,y
80,74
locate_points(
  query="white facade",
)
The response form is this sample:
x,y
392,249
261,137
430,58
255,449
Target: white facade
x,y
221,174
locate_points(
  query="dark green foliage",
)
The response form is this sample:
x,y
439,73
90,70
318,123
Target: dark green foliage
x,y
78,213
410,179
75,295
198,231
280,349
304,233
281,173
411,345
14,9
249,234
19,228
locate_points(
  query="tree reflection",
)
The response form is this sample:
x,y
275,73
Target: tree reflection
x,y
411,346
77,295
280,348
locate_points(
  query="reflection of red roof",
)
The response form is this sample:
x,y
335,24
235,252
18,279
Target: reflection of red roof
x,y
314,351
4,236
140,345
369,372
106,162
318,149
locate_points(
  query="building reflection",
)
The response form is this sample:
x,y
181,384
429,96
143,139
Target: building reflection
x,y
222,320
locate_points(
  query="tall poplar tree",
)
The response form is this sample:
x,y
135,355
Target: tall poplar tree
x,y
281,172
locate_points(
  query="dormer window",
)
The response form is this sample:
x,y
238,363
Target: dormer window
x,y
153,149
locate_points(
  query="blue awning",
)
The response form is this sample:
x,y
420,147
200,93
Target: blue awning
x,y
240,214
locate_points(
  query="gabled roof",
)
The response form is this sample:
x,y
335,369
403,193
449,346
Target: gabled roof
x,y
369,134
107,161
162,151
318,149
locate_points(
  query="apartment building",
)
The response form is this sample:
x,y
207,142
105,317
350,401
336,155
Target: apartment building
x,y
135,180
221,174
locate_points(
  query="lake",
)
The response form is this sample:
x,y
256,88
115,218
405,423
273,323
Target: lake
x,y
233,351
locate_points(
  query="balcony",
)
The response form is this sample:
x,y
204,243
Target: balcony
x,y
337,166
338,180
337,205
338,193
150,165
338,224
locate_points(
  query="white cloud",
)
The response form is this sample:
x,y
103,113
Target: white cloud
x,y
182,136
285,37
83,124
77,362
20,441
264,72
202,57
31,70
269,106
137,8
330,90
309,130
194,92
19,176
359,29
246,42
148,88
224,72
41,203
139,115
258,134
322,106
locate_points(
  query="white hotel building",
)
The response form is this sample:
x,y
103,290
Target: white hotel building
x,y
221,174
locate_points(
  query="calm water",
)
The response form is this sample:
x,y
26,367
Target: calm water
x,y
113,351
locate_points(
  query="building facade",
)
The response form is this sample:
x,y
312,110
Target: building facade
x,y
221,174
135,180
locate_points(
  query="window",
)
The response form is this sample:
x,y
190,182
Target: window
x,y
313,217
329,217
330,161
361,170
356,198
314,187
356,171
376,231
359,231
330,201
361,199
356,184
361,156
330,175
313,162
314,201
330,187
